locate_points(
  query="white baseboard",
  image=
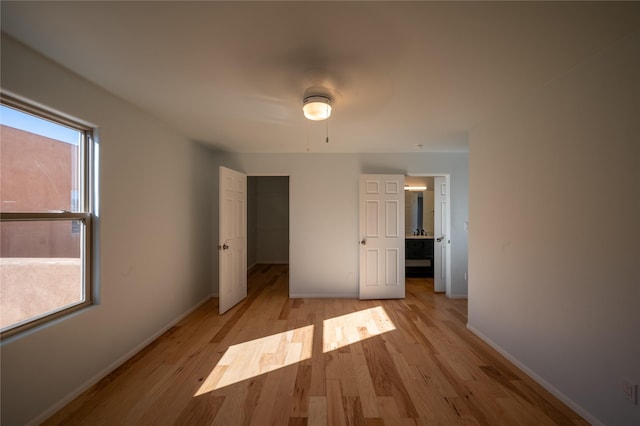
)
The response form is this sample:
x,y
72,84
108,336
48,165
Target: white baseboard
x,y
542,382
458,296
102,374
324,296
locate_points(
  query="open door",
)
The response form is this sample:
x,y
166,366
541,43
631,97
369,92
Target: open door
x,y
381,201
232,252
442,241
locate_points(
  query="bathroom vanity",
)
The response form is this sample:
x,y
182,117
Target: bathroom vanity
x,y
419,255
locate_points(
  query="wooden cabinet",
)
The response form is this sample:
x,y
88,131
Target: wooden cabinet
x,y
419,257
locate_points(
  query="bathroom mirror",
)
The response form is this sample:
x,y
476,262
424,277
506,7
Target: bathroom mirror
x,y
418,205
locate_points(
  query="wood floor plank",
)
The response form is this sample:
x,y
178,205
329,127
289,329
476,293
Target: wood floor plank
x,y
353,411
267,399
232,409
283,406
318,363
201,410
335,407
389,411
317,411
386,380
272,360
432,407
366,389
348,381
300,403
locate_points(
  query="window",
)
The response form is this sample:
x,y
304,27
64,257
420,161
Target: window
x,y
46,212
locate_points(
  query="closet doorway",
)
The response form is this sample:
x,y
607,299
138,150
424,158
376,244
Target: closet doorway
x,y
267,220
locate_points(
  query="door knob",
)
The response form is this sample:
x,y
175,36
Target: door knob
x,y
440,238
363,242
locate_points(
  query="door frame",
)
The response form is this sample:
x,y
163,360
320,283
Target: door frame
x,y
447,177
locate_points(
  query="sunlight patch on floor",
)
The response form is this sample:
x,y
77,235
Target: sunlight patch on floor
x,y
355,327
250,359
255,357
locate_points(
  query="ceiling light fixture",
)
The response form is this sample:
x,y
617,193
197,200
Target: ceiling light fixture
x,y
415,188
316,107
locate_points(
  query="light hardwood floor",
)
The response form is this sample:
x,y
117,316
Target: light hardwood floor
x,y
278,361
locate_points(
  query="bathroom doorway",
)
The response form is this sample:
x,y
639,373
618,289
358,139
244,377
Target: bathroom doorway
x,y
427,224
419,226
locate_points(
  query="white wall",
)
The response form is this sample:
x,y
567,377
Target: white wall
x,y
324,212
155,222
554,233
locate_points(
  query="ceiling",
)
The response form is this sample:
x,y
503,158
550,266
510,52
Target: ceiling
x,y
405,77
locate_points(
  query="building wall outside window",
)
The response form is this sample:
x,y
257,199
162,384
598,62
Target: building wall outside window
x,y
41,261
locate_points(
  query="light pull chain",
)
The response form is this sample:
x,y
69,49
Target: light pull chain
x,y
307,135
327,139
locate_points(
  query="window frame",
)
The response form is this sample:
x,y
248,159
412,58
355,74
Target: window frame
x,y
86,207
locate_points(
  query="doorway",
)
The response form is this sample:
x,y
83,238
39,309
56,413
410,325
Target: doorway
x,y
419,226
427,225
267,220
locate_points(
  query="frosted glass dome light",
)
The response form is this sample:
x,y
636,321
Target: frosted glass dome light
x,y
316,107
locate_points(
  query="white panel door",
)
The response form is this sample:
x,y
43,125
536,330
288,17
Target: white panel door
x,y
441,244
233,238
381,236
